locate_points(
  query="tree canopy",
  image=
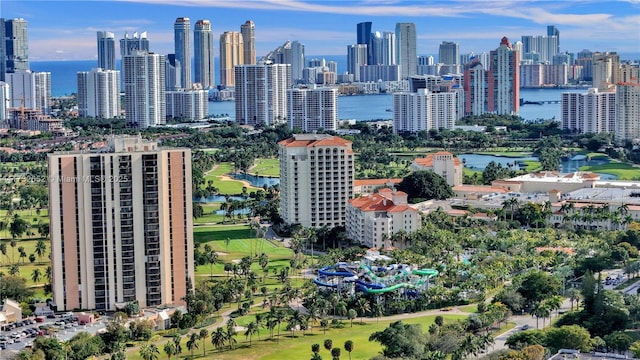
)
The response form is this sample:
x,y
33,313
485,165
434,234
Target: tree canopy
x,y
425,185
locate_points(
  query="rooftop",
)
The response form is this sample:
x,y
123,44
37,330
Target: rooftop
x,y
553,176
310,140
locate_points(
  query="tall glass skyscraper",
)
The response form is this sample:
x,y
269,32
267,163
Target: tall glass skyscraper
x,y
406,54
3,55
135,42
249,42
203,53
182,41
365,37
106,50
16,45
449,53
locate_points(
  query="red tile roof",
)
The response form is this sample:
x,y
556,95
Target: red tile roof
x,y
323,141
374,182
377,202
428,160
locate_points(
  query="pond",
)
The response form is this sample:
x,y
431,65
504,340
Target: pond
x,y
479,162
257,181
217,199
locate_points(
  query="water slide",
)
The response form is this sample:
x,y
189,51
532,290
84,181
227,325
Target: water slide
x,y
319,282
428,273
326,271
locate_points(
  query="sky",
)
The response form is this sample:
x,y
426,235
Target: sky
x,y
66,29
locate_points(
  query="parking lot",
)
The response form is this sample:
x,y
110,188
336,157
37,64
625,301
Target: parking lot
x,y
21,334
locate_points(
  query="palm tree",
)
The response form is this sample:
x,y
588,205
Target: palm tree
x,y
149,352
231,333
41,248
335,353
35,275
278,316
252,328
511,204
192,343
541,310
296,319
219,338
348,347
203,336
363,307
176,341
169,349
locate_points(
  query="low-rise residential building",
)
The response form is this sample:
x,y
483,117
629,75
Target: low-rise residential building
x,y
368,186
372,220
10,311
442,163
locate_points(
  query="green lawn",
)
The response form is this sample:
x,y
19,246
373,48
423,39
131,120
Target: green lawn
x,y
532,165
227,186
266,167
241,242
624,171
300,346
209,214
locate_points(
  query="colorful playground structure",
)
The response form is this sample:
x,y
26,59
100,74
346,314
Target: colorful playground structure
x,y
366,277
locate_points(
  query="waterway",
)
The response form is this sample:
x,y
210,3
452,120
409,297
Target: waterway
x,y
479,162
374,107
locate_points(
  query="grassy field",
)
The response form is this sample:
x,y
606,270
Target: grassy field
x,y
209,214
300,346
227,186
266,167
532,165
624,171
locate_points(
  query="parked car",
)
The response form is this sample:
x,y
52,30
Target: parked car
x,y
39,319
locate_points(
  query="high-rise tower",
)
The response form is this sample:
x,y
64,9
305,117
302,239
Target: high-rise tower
x,y
406,55
365,37
182,35
248,42
231,54
261,93
203,54
144,89
3,55
121,225
135,42
106,50
504,80
627,111
99,93
449,53
316,179
16,45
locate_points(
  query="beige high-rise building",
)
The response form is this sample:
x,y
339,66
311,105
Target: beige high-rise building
x,y
249,42
231,54
627,112
606,70
316,179
121,225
